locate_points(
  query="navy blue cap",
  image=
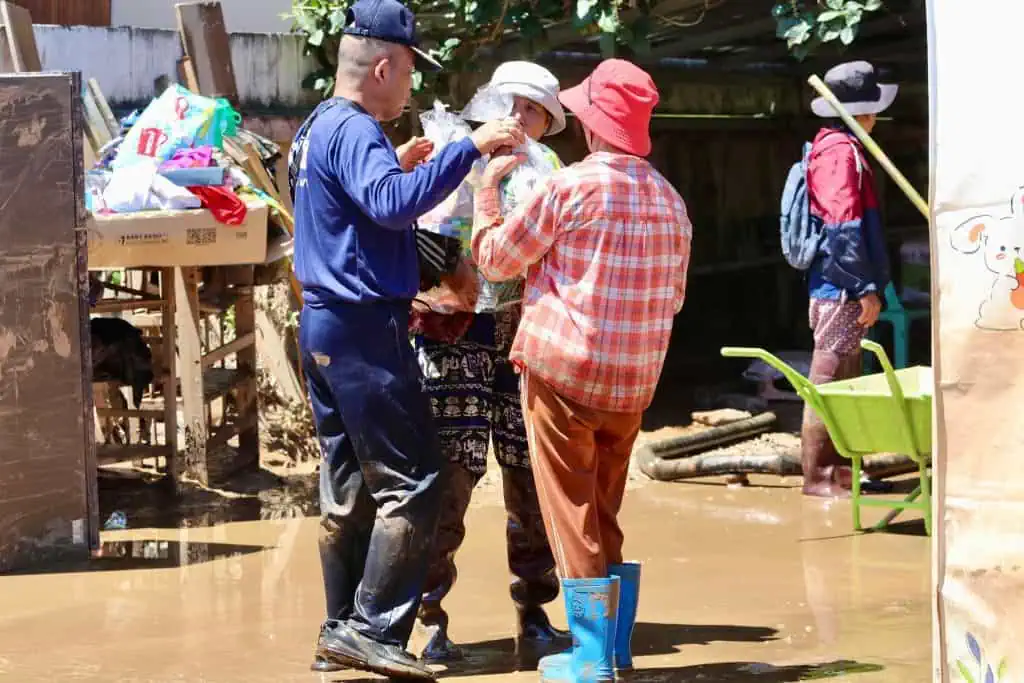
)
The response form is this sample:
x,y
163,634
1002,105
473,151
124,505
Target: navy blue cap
x,y
390,21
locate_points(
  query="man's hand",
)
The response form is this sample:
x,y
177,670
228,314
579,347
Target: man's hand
x,y
870,307
500,133
500,166
413,153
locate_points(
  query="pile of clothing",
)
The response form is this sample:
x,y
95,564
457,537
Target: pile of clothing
x,y
172,157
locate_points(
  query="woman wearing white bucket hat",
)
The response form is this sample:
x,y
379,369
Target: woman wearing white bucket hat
x,y
475,396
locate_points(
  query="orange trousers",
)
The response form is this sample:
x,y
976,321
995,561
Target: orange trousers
x,y
580,459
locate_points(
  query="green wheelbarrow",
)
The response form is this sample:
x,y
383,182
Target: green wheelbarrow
x,y
889,412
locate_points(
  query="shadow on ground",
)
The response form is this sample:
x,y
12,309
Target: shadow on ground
x,y
736,672
495,657
724,672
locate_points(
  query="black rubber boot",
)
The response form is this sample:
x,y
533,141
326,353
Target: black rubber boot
x,y
536,634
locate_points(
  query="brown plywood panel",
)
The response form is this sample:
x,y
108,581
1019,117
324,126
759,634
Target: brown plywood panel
x,y
47,505
18,51
69,12
206,44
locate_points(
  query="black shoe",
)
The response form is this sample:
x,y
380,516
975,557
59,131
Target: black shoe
x,y
876,486
322,666
441,650
343,646
537,633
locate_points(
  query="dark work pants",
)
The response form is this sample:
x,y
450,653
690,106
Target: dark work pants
x,y
475,399
379,479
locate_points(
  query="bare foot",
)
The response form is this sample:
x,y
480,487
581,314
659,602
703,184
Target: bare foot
x,y
826,489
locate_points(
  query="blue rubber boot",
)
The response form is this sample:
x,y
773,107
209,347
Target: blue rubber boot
x,y
629,598
591,606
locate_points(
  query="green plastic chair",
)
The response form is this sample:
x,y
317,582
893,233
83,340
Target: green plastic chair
x,y
900,318
889,412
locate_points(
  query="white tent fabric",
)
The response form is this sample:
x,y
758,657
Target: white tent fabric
x,y
977,156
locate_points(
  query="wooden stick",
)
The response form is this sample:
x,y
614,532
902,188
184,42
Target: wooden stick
x,y
872,146
238,344
113,125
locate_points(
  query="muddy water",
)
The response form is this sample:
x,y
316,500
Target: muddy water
x,y
740,585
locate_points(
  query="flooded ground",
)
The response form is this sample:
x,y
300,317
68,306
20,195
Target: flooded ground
x,y
751,584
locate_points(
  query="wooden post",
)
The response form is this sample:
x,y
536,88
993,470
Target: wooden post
x,y
246,396
190,354
170,378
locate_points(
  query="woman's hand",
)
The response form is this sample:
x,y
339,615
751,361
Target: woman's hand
x,y
500,166
414,152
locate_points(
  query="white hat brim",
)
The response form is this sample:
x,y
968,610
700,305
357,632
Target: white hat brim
x,y
822,108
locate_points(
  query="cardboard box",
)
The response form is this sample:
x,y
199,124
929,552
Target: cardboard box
x,y
176,238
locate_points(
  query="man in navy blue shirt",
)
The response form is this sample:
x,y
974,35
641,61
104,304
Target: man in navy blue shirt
x,y
356,258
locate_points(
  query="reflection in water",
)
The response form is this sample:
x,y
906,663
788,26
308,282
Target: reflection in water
x,y
153,506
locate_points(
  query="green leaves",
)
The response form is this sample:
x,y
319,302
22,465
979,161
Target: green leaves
x,y
457,30
807,24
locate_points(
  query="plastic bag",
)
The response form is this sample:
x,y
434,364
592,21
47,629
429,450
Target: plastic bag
x,y
176,119
515,189
454,216
457,290
488,104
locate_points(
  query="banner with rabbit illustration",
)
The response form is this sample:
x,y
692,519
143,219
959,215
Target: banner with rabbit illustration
x,y
977,155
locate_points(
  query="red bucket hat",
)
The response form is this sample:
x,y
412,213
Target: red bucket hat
x,y
615,102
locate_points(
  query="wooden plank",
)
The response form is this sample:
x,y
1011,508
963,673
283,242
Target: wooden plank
x,y
46,427
113,125
121,413
247,394
236,345
273,349
205,42
118,305
169,380
114,455
248,158
69,12
18,50
95,126
281,176
237,427
190,355
186,76
694,40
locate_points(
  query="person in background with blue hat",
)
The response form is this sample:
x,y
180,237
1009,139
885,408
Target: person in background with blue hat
x,y
356,201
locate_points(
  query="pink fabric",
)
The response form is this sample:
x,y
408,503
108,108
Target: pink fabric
x,y
835,326
197,157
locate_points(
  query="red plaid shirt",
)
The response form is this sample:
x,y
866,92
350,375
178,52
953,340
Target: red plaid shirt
x,y
605,245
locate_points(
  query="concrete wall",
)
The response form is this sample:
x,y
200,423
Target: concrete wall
x,y
241,16
126,61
